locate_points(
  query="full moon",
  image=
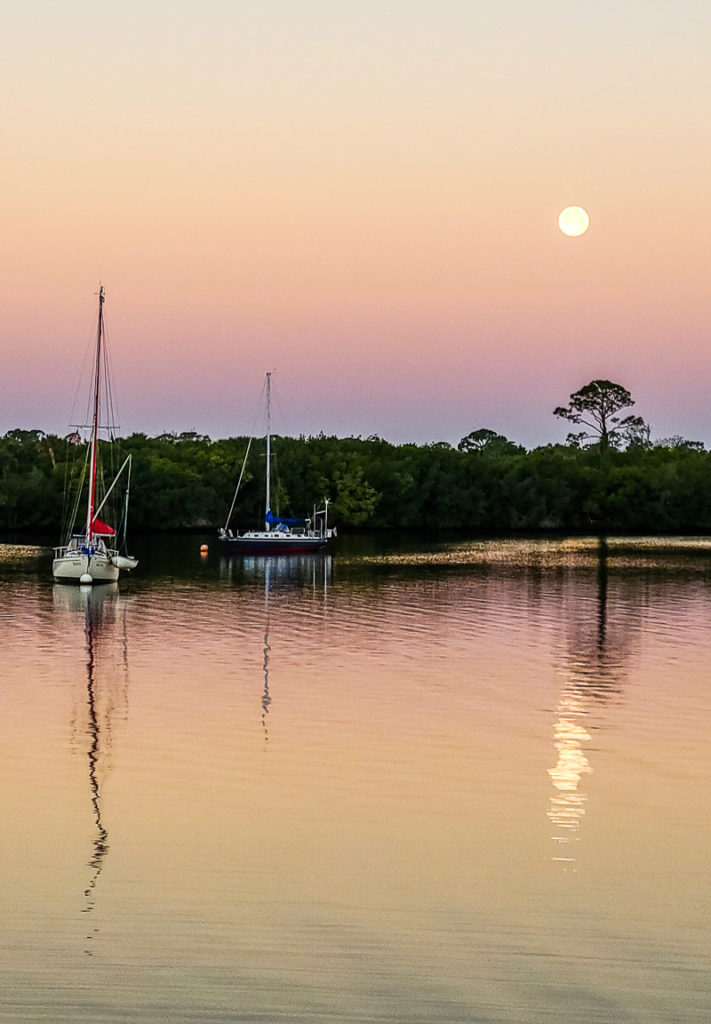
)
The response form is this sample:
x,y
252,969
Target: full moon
x,y
573,221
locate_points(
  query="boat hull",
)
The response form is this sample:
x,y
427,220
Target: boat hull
x,y
86,557
76,567
124,562
273,544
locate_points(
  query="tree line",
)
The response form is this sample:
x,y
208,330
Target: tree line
x,y
609,475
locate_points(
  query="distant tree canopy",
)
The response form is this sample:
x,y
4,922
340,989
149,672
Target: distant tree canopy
x,y
488,442
595,407
679,442
487,483
189,483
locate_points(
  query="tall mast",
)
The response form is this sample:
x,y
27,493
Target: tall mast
x,y
269,442
95,419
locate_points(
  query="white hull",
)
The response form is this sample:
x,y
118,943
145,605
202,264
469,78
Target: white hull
x,y
124,562
75,567
275,542
72,565
86,557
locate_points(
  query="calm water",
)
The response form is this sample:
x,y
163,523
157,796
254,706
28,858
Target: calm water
x,y
461,784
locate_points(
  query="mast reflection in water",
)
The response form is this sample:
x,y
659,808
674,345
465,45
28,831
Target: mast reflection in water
x,y
310,571
100,606
101,846
266,699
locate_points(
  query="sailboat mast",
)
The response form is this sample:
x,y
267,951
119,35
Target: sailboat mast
x,y
95,418
269,443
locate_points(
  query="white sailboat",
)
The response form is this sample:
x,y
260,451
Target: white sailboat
x,y
89,555
280,536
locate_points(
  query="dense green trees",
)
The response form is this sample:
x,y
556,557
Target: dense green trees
x,y
488,442
488,484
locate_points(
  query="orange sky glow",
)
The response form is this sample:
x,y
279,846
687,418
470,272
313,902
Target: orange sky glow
x,y
362,197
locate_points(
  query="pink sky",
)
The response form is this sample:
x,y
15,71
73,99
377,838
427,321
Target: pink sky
x,y
363,197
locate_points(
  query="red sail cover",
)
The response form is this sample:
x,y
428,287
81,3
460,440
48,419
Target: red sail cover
x,y
101,528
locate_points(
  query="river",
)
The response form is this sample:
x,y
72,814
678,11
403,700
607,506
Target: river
x,y
461,782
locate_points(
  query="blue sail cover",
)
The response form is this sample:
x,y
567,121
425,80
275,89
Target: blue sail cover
x,y
273,520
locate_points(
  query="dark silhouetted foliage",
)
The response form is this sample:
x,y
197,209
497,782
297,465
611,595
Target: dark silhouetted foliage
x,y
187,481
595,408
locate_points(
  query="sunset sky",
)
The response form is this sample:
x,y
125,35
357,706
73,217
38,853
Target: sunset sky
x,y
361,195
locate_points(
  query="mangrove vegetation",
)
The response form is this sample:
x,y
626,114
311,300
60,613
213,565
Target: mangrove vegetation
x,y
608,476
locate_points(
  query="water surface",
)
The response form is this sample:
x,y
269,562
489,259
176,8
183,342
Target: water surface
x,y
467,783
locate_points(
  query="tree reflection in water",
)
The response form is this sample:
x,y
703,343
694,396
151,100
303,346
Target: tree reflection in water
x,y
594,670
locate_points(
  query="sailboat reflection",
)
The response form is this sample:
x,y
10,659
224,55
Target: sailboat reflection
x,y
101,846
100,607
266,698
304,572
594,669
314,570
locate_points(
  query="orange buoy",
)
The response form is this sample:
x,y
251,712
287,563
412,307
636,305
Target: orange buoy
x,y
203,549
